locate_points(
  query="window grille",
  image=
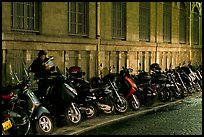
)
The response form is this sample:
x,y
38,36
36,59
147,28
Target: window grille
x,y
77,18
195,26
182,23
25,16
144,21
118,20
167,22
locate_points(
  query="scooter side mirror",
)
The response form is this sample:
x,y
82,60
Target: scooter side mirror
x,y
51,58
130,70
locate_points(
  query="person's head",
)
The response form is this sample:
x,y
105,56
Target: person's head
x,y
42,54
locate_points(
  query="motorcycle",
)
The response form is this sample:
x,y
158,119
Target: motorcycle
x,y
198,71
15,120
86,99
147,91
180,80
109,82
102,94
162,83
60,98
39,115
176,87
195,77
189,78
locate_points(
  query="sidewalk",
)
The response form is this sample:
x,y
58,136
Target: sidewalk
x,y
103,119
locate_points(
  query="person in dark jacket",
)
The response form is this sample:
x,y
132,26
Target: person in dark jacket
x,y
39,67
42,72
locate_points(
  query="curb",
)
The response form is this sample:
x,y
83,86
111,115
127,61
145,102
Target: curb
x,y
102,119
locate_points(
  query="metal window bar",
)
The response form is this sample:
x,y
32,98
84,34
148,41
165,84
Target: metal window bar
x,y
195,26
182,25
77,12
25,16
118,20
167,22
144,21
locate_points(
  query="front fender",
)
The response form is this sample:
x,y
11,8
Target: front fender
x,y
39,111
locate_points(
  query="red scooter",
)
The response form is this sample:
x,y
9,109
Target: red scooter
x,y
129,89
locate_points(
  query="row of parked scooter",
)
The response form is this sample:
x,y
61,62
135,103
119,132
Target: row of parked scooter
x,y
72,98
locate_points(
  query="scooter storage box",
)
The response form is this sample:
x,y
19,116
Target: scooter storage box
x,y
75,71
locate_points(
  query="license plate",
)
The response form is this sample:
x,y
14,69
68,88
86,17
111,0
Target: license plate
x,y
6,125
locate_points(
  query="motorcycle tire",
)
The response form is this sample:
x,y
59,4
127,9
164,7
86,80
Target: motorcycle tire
x,y
91,111
190,89
72,115
20,122
197,87
108,101
134,103
121,105
44,125
164,95
178,93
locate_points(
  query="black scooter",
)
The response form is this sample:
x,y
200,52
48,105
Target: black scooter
x,y
60,98
87,100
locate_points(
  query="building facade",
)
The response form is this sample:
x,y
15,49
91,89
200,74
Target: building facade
x,y
100,35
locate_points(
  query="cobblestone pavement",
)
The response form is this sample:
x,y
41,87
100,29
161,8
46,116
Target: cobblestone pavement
x,y
102,120
183,118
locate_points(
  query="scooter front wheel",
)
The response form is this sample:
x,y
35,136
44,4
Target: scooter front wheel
x,y
135,102
72,115
44,125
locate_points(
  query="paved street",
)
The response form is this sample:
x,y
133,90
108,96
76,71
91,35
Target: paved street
x,y
190,116
184,118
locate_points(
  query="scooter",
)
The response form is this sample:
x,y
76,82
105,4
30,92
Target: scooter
x,y
60,98
103,103
87,100
39,115
128,88
15,120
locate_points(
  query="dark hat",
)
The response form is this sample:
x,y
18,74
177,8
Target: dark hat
x,y
41,52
